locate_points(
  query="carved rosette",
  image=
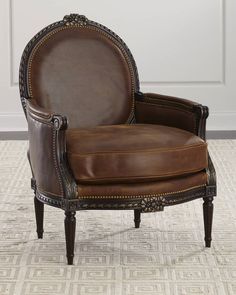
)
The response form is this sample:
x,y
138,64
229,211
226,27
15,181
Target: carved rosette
x,y
75,20
152,204
59,122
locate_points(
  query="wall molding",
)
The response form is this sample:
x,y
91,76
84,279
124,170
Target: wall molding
x,y
11,44
13,122
14,83
221,121
181,83
219,134
216,134
13,135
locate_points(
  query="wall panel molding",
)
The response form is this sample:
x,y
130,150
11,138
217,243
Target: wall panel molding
x,y
216,88
14,82
14,121
11,45
181,83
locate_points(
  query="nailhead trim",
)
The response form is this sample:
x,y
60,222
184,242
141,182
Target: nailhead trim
x,y
139,196
55,160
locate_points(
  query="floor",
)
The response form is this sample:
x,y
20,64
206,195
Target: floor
x,y
165,256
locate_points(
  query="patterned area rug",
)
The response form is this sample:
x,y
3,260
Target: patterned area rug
x,y
165,256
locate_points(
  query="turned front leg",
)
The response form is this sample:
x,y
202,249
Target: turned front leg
x,y
208,216
70,225
137,217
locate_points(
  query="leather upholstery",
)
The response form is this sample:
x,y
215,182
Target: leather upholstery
x,y
143,189
133,153
67,71
166,110
41,146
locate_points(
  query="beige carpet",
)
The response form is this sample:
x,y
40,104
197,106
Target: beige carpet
x,y
165,256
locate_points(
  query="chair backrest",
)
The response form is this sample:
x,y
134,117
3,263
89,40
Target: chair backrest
x,y
80,69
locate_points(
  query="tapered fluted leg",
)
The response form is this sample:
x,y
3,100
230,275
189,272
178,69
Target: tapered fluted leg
x,y
208,215
137,217
70,224
39,212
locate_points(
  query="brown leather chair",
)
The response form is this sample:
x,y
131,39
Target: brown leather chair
x,y
96,141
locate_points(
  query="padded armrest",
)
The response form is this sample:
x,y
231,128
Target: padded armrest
x,y
36,110
47,151
171,111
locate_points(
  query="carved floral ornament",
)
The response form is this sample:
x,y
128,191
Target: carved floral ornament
x,y
152,204
75,20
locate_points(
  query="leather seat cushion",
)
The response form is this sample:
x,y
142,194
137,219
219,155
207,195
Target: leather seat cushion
x,y
133,153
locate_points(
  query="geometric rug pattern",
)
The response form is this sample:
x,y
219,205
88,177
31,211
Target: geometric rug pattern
x,y
165,256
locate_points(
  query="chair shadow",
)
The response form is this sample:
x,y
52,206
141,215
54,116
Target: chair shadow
x,y
178,260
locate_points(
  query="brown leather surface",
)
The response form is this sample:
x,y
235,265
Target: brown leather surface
x,y
133,153
166,110
177,101
141,189
41,152
83,75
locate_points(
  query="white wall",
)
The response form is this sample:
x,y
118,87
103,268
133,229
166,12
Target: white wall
x,y
184,48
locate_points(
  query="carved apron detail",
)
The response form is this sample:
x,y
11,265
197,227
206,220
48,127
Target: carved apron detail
x,y
152,204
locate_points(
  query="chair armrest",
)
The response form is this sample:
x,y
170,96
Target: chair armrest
x,y
34,109
176,112
47,152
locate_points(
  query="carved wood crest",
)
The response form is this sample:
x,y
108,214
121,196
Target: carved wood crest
x,y
75,20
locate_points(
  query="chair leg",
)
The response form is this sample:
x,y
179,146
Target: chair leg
x,y
70,224
208,215
39,212
137,217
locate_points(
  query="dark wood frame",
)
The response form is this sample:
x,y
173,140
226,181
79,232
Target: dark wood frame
x,y
70,202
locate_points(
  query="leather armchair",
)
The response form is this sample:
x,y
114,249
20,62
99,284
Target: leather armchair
x,y
96,141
